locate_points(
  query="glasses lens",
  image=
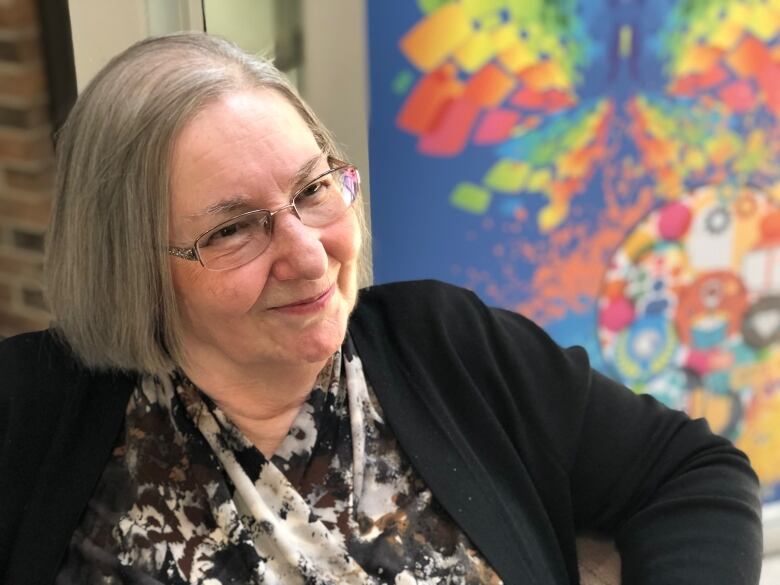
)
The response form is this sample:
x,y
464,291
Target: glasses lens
x,y
328,197
235,242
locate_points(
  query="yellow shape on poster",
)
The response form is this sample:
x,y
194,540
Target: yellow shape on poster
x,y
726,34
477,51
698,59
694,160
551,216
637,244
739,13
539,181
723,147
763,22
490,21
503,37
508,176
428,44
517,57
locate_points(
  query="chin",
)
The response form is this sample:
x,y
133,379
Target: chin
x,y
325,338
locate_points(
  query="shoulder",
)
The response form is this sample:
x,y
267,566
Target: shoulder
x,y
421,306
418,310
30,359
449,337
413,295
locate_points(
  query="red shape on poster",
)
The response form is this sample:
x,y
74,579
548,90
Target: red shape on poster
x,y
426,101
556,100
739,96
684,86
496,126
528,98
551,101
769,82
711,78
690,85
489,86
449,136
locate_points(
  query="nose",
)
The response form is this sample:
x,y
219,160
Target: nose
x,y
297,250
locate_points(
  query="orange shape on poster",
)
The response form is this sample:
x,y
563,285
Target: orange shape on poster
x,y
451,133
750,57
770,227
517,56
425,102
496,126
489,86
544,75
434,38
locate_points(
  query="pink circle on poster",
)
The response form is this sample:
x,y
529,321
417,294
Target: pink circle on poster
x,y
673,221
617,314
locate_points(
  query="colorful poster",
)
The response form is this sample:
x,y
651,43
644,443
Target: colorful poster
x,y
609,168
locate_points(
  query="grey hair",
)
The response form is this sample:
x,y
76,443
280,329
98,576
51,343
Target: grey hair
x,y
106,269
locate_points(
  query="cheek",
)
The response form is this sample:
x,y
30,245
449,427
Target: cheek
x,y
203,292
344,242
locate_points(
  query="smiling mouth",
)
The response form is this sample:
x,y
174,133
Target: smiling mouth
x,y
308,301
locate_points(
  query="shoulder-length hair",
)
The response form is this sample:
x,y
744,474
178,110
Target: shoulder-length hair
x,y
106,269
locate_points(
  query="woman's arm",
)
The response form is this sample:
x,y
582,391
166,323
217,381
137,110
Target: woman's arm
x,y
681,503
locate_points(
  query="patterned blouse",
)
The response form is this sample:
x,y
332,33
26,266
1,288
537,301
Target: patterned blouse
x,y
186,498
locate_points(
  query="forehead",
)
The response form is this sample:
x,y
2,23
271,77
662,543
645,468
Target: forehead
x,y
244,143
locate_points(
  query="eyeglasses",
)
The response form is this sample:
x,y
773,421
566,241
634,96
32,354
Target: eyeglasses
x,y
243,238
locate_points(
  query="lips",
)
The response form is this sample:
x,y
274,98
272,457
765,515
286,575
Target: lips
x,y
307,301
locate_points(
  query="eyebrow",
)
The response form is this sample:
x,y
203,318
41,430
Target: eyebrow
x,y
242,201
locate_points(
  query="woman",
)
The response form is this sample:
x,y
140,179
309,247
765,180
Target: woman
x,y
217,403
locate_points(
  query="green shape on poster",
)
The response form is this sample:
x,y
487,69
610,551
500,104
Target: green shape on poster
x,y
507,176
402,82
428,6
470,197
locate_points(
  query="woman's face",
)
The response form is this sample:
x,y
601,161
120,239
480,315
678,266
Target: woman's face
x,y
252,150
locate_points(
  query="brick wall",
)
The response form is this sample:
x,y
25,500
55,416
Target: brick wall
x,y
26,163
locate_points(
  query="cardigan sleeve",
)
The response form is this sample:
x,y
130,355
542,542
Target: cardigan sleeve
x,y
680,502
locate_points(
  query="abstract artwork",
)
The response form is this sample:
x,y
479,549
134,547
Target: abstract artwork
x,y
609,168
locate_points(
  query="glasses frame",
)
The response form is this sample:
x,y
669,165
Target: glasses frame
x,y
192,253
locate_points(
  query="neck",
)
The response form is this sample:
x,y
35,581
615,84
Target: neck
x,y
261,400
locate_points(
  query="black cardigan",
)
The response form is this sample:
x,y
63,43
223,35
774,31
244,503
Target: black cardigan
x,y
520,441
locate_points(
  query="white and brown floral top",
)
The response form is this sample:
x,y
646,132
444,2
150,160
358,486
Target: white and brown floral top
x,y
186,498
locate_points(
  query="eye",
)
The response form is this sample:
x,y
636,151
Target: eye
x,y
313,188
228,233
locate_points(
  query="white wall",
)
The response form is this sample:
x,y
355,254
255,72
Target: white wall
x,y
335,78
102,28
